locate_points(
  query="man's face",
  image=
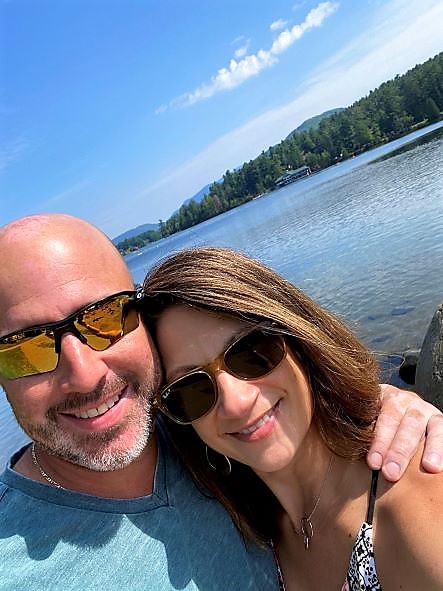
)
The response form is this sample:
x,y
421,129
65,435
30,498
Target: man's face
x,y
95,408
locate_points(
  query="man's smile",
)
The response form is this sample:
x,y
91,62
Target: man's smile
x,y
99,410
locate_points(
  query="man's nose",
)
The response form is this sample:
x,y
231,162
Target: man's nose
x,y
236,397
80,368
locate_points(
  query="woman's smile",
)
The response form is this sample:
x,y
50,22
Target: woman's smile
x,y
259,429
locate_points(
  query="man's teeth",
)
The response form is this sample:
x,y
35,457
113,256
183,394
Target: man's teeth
x,y
257,425
95,412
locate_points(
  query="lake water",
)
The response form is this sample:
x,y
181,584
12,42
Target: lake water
x,y
364,238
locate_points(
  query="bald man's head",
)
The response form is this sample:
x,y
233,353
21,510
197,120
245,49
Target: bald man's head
x,y
34,244
44,253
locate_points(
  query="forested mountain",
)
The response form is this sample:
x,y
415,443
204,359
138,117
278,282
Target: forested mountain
x,y
134,232
314,122
394,109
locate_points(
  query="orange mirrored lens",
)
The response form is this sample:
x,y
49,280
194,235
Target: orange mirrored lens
x,y
103,325
30,356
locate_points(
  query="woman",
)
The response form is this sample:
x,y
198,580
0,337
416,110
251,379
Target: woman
x,y
258,373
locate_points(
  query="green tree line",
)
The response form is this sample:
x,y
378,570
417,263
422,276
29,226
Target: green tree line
x,y
394,109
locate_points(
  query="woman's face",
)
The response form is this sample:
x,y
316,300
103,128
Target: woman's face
x,y
260,422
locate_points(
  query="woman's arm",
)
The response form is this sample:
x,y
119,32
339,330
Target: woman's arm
x,y
409,532
404,420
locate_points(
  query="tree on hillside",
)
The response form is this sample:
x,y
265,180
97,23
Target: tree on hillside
x,y
431,110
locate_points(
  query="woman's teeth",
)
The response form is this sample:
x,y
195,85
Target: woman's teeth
x,y
259,423
95,412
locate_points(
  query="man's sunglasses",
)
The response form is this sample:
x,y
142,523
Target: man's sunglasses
x,y
36,350
193,395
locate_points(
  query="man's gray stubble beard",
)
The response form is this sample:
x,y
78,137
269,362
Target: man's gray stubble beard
x,y
51,439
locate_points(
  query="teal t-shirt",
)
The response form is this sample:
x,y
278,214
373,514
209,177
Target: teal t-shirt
x,y
174,539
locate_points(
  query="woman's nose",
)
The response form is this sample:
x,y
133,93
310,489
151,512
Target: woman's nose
x,y
236,397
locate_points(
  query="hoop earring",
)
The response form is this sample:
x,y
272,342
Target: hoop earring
x,y
225,470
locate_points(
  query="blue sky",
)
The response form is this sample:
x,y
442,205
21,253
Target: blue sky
x,y
118,111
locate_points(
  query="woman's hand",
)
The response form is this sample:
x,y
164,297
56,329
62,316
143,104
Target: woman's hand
x,y
404,420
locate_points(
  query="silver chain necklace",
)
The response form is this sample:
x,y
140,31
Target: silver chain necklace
x,y
306,530
36,463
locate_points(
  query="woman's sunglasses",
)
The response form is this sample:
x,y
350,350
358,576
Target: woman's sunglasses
x,y
251,356
36,350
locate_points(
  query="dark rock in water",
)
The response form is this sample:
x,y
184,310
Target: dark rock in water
x,y
389,370
408,367
402,311
429,375
380,339
375,316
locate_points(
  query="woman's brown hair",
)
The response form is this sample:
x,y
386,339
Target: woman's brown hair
x,y
342,373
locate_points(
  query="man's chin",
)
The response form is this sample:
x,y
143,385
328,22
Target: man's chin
x,y
108,459
104,453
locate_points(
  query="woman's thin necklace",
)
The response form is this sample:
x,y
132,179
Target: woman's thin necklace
x,y
36,463
306,530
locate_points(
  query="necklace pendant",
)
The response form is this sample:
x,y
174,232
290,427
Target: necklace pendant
x,y
307,531
306,528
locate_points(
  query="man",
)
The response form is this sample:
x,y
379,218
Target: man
x,y
98,501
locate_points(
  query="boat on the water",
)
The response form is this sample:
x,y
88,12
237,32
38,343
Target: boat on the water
x,y
291,176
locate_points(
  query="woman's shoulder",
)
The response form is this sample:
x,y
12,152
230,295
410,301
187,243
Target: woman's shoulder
x,y
409,530
414,485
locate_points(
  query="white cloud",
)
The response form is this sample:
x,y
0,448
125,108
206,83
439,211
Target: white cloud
x,y
161,109
238,71
298,5
242,51
239,39
278,25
